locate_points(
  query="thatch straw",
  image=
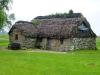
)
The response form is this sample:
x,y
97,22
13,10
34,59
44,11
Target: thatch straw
x,y
55,28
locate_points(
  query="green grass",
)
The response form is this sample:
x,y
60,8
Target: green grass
x,y
82,62
98,42
25,63
4,40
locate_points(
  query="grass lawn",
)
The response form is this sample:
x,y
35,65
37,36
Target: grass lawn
x,y
4,40
82,62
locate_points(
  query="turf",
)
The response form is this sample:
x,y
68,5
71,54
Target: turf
x,y
81,62
4,40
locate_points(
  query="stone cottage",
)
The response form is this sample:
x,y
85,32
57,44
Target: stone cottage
x,y
59,34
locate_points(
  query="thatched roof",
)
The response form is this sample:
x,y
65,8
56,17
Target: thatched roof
x,y
26,28
63,28
56,28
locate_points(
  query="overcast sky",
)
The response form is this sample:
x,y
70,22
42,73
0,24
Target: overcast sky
x,y
28,9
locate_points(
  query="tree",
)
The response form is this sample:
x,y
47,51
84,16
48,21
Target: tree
x,y
4,4
10,18
4,17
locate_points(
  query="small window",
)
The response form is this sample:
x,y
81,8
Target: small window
x,y
61,41
16,37
82,27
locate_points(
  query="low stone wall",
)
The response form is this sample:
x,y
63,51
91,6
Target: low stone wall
x,y
28,43
53,44
84,43
66,45
69,44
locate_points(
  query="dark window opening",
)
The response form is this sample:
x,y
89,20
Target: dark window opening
x,y
61,41
40,39
16,37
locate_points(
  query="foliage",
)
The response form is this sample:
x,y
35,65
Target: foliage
x,y
4,4
60,15
4,17
35,22
10,18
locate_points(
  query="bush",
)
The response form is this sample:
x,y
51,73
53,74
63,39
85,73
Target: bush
x,y
35,22
15,46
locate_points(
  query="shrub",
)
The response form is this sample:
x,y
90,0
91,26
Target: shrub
x,y
15,46
35,22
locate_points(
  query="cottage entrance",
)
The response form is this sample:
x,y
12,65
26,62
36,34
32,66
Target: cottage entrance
x,y
48,43
38,43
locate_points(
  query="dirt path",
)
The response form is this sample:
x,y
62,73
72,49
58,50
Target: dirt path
x,y
47,51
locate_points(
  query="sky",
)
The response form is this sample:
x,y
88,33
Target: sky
x,y
28,9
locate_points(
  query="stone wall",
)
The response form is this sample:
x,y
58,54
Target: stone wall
x,y
50,44
44,43
28,42
25,42
53,44
67,45
84,43
12,37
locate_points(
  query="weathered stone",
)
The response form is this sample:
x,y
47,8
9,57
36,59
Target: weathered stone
x,y
84,43
44,43
25,42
